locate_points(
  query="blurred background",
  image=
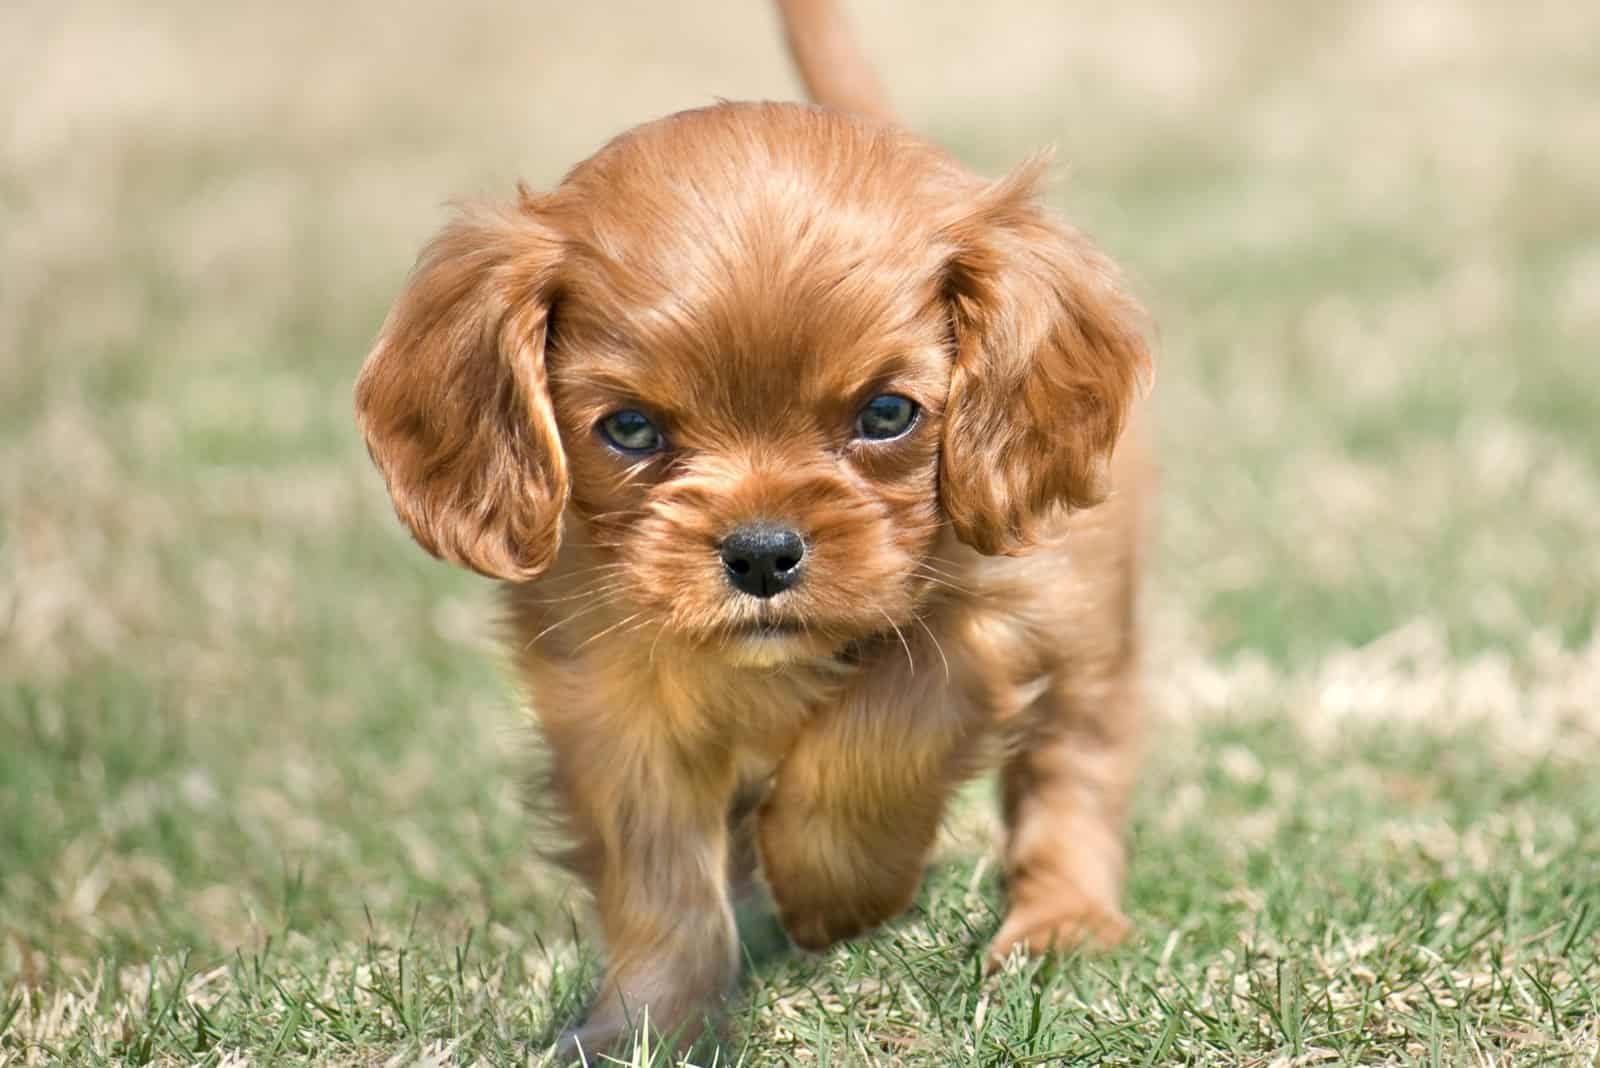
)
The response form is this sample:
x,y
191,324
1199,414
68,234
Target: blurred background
x,y
238,709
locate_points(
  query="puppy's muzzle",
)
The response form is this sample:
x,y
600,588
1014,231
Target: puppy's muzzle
x,y
763,559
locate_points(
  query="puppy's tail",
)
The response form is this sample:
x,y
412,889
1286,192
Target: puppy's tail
x,y
835,71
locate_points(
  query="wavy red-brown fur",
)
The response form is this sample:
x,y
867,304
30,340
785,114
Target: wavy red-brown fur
x,y
749,275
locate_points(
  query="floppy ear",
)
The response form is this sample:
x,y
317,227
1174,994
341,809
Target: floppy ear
x,y
1049,356
453,400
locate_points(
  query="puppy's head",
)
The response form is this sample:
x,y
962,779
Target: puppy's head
x,y
762,354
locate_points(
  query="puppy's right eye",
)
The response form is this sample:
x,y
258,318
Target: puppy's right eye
x,y
631,432
885,417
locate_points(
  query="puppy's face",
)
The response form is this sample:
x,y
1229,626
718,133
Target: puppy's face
x,y
755,439
763,354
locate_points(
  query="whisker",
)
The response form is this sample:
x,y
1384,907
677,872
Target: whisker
x,y
659,632
911,664
601,517
592,569
628,476
943,584
601,634
635,628
588,591
936,644
604,565
563,621
928,570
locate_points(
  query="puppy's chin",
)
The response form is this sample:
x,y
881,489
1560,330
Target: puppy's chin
x,y
770,646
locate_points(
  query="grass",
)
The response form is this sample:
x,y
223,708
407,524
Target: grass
x,y
259,769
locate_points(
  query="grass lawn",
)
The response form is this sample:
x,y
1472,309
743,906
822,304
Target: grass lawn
x,y
259,766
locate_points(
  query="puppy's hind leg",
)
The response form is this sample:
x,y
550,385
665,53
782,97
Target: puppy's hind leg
x,y
1064,798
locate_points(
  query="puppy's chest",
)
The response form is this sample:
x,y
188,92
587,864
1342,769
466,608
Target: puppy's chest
x,y
760,717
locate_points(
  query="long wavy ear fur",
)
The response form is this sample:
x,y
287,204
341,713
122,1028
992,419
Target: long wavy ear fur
x,y
1049,357
453,399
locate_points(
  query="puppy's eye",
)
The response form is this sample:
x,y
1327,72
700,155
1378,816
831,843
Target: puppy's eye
x,y
886,416
631,431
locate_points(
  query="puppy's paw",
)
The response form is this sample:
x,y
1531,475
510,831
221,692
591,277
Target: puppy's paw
x,y
605,1040
822,902
584,1045
829,887
1066,924
815,931
815,923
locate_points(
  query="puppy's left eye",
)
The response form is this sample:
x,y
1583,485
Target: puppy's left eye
x,y
632,432
886,416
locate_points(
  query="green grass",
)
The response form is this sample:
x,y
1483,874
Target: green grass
x,y
259,767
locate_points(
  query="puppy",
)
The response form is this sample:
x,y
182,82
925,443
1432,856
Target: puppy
x,y
800,451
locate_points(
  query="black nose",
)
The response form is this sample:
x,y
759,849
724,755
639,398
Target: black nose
x,y
763,559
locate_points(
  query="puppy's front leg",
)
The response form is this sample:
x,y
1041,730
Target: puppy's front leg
x,y
848,825
652,844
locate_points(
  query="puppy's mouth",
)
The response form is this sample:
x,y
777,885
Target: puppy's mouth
x,y
768,629
772,642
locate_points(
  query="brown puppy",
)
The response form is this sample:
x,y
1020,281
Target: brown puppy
x,y
784,431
